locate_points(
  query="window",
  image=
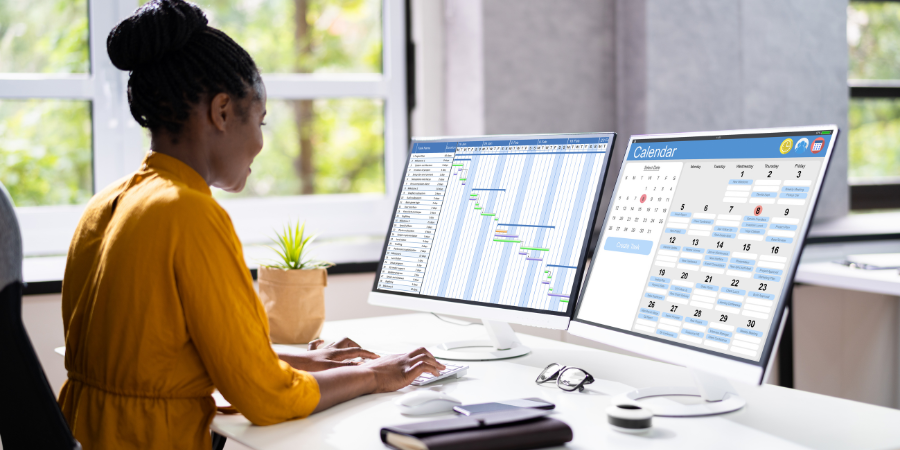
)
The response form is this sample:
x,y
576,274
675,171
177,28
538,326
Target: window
x,y
335,142
873,38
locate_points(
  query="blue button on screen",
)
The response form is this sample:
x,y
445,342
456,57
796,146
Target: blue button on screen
x,y
636,246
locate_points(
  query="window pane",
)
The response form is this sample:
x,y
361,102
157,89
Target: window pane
x,y
873,36
874,147
39,167
44,36
340,150
333,36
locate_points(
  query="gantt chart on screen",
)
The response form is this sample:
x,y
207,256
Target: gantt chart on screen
x,y
501,221
700,237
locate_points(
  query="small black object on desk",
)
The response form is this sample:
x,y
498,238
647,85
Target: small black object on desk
x,y
631,419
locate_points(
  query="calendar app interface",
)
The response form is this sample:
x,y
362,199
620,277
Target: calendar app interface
x,y
699,236
497,220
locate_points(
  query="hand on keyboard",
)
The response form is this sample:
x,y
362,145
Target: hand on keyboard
x,y
451,370
318,358
393,372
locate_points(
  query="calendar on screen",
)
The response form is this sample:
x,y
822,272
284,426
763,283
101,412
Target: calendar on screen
x,y
700,237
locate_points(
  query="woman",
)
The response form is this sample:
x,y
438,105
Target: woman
x,y
159,308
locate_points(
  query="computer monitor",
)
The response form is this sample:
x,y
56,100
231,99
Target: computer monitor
x,y
698,250
495,228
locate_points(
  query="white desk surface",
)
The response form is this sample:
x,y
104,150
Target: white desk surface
x,y
774,417
816,268
829,274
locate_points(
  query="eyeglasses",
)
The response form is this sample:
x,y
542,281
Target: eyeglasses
x,y
567,378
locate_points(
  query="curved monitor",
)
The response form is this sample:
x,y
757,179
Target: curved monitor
x,y
700,245
494,227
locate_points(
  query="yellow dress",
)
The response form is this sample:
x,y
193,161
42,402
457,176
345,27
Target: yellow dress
x,y
159,309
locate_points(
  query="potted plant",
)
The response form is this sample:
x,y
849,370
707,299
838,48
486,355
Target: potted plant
x,y
292,288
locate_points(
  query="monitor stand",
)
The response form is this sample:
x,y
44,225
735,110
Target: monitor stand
x,y
718,396
502,344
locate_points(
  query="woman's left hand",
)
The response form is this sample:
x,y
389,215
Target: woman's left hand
x,y
326,357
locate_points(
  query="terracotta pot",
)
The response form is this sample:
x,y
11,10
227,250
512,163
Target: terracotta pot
x,y
295,303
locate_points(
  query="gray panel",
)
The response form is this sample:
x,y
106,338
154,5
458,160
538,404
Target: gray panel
x,y
795,73
463,26
549,66
693,65
631,88
10,241
631,71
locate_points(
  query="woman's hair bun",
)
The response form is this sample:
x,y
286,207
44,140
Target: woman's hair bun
x,y
154,31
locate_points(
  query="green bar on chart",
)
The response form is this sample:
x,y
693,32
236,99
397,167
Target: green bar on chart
x,y
536,249
507,240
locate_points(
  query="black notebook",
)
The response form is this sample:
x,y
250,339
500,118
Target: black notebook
x,y
504,430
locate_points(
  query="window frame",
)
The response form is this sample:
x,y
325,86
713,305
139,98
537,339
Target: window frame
x,y
118,147
876,195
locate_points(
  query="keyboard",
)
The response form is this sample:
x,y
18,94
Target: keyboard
x,y
452,371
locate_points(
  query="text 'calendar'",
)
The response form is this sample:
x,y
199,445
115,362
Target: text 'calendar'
x,y
700,234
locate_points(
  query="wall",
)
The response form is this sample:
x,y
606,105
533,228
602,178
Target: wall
x,y
750,64
643,66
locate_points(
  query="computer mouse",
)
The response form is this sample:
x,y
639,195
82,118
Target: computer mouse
x,y
426,401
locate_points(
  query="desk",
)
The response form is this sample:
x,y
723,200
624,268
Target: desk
x,y
774,417
816,268
846,324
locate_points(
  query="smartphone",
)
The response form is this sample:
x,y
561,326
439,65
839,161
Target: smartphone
x,y
478,408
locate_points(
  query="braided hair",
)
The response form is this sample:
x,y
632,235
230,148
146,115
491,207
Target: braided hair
x,y
174,58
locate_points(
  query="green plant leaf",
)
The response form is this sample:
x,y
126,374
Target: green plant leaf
x,y
291,246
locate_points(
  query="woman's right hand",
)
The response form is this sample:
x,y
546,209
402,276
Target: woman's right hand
x,y
394,372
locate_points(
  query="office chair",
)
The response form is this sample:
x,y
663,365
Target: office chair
x,y
29,414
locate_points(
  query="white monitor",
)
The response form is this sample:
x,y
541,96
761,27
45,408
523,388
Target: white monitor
x,y
495,228
699,247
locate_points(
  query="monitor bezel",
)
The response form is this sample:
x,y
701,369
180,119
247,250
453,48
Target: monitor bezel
x,y
507,313
696,357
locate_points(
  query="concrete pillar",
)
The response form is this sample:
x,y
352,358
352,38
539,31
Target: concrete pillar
x,y
649,66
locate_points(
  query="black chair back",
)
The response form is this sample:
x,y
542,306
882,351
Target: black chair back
x,y
30,417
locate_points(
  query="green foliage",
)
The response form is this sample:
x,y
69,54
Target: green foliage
x,y
45,151
873,37
344,35
44,36
292,249
346,135
873,141
45,145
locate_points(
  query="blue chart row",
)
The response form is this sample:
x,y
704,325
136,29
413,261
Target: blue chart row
x,y
499,222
